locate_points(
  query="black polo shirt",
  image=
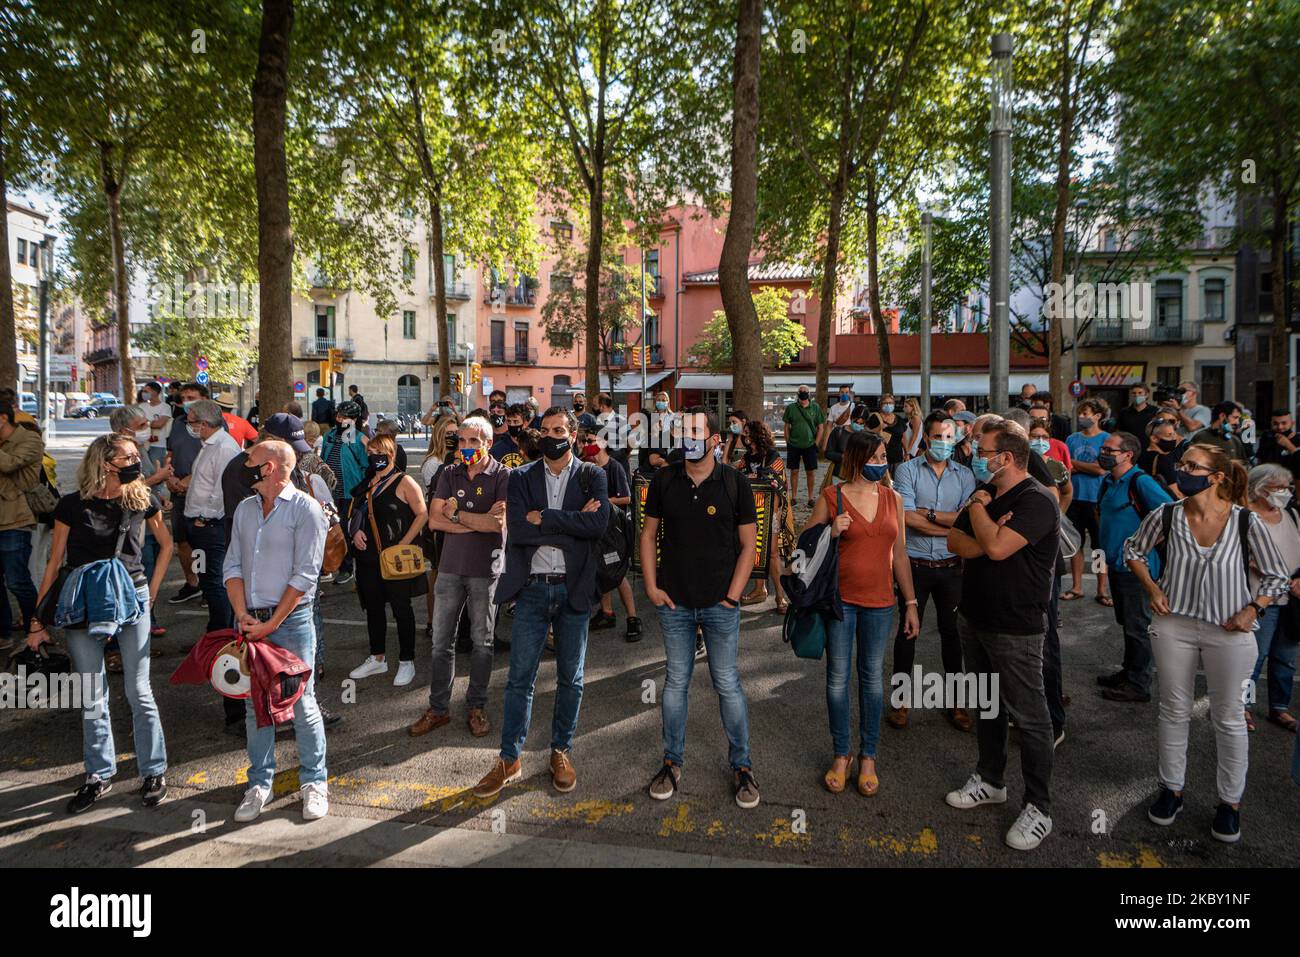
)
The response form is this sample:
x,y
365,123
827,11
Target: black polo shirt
x,y
699,543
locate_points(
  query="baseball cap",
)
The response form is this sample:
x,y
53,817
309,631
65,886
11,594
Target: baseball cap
x,y
964,416
288,427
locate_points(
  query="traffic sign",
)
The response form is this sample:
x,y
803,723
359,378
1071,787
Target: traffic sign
x,y
299,387
201,363
1078,389
201,377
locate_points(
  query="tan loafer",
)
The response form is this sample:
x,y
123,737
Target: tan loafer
x,y
496,779
428,721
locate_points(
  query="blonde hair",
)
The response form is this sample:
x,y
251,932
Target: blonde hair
x,y
382,443
438,436
92,476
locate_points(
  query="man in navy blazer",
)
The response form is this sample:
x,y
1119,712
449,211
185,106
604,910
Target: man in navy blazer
x,y
557,509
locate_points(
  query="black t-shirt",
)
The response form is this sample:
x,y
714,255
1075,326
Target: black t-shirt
x,y
616,477
1013,595
1271,452
756,462
1161,465
894,451
93,528
1134,421
699,543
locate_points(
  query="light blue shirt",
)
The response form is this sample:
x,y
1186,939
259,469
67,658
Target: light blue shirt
x,y
549,560
1086,448
915,480
281,550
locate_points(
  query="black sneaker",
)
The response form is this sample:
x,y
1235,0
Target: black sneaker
x,y
1126,691
1166,807
237,729
1227,824
87,795
153,790
187,592
342,578
329,718
602,622
1111,681
633,629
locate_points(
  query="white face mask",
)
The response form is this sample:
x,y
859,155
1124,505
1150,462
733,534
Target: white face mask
x,y
142,436
1279,497
192,431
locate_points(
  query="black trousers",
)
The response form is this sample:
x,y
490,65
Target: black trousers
x,y
944,586
1052,662
376,598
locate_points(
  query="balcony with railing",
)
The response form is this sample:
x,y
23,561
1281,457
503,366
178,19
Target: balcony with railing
x,y
458,352
455,290
1131,332
511,295
318,346
511,356
654,287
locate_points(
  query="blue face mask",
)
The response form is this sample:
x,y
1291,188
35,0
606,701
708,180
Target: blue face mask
x,y
856,426
735,428
874,473
661,406
1041,446
958,434
887,407
980,466
693,449
1191,484
1227,428
939,450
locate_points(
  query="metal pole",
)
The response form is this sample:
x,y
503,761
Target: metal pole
x,y
1000,224
43,373
469,351
926,220
643,342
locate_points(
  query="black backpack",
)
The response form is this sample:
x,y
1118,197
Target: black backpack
x,y
1167,524
613,550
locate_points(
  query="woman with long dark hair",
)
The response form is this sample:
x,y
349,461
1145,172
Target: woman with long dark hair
x,y
104,521
763,462
1206,616
392,502
866,517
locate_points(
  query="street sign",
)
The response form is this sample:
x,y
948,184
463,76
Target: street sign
x,y
1078,389
201,363
299,387
201,377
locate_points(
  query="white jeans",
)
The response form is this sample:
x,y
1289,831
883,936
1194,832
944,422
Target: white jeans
x,y
1227,657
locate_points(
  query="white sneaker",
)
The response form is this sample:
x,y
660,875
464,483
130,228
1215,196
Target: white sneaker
x,y
405,673
371,666
250,807
974,793
1029,830
315,801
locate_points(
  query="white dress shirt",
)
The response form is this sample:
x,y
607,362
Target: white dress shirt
x,y
203,499
549,560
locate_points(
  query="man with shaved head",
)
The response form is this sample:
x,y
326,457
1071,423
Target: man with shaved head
x,y
271,570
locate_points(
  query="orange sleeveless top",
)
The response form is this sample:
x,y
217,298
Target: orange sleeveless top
x,y
867,551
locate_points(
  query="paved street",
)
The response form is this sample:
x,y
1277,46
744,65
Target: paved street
x,y
397,800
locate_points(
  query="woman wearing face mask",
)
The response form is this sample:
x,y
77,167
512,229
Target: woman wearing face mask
x,y
866,519
344,450
1206,615
659,438
733,449
130,422
104,520
839,441
1270,497
763,462
396,504
1159,457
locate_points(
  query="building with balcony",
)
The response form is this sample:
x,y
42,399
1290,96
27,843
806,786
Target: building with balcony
x,y
1255,308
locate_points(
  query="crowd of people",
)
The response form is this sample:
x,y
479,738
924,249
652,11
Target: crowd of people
x,y
509,513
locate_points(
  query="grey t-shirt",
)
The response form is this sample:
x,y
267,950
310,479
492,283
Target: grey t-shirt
x,y
1200,413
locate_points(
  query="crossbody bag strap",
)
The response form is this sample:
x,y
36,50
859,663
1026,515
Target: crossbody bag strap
x,y
370,512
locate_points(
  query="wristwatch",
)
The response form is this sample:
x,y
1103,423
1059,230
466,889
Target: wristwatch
x,y
1259,609
455,517
930,517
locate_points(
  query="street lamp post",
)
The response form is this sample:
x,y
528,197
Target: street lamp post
x,y
43,347
1000,222
926,222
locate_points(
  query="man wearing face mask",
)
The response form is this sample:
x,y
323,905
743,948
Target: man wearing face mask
x,y
933,488
962,423
1159,457
839,440
837,416
1009,537
585,419
1222,432
182,449
1135,417
344,450
1127,496
1085,445
1281,446
803,419
696,579
502,441
1046,446
556,509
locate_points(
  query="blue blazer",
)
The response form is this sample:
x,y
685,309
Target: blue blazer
x,y
573,531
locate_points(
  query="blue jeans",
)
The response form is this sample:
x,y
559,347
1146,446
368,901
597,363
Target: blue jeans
x,y
298,636
541,605
15,553
318,625
871,628
722,640
211,538
97,730
1279,648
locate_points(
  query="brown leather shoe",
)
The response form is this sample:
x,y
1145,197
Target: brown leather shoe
x,y
428,721
897,717
960,719
478,723
496,779
563,777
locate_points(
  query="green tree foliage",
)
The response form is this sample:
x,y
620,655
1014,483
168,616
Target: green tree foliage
x,y
177,339
782,337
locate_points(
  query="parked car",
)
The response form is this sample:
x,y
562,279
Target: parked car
x,y
95,408
74,399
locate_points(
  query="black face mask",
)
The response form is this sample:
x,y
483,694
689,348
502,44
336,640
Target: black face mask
x,y
250,475
497,421
128,473
554,449
803,396
378,462
451,441
515,430
1167,445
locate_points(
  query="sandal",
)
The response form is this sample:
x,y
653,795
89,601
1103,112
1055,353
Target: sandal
x,y
1071,595
754,598
868,784
782,606
1105,600
1283,719
834,779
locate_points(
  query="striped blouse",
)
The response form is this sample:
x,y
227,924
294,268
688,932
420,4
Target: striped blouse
x,y
1209,583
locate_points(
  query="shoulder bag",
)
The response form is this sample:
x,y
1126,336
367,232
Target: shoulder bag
x,y
397,562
